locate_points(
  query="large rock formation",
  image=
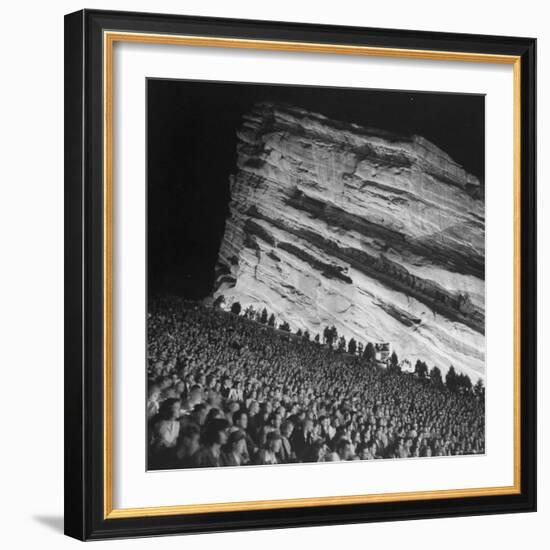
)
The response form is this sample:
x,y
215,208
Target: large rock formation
x,y
381,235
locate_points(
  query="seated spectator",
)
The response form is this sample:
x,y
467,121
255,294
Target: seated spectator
x,y
213,439
345,449
235,453
166,429
188,445
286,454
240,423
268,454
153,396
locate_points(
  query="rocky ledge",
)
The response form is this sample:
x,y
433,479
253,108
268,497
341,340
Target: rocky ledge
x,y
381,235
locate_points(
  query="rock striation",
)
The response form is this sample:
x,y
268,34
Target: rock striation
x,y
381,235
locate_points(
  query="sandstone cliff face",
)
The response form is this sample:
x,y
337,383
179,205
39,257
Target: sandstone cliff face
x,y
380,235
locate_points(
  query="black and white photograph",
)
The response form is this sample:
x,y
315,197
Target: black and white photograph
x,y
316,274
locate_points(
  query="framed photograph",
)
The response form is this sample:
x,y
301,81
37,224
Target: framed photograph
x,y
300,275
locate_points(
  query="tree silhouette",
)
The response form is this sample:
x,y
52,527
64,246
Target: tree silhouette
x,y
330,335
219,301
352,346
342,344
284,326
306,335
236,308
451,379
317,339
394,362
463,383
263,316
421,369
435,377
271,321
360,349
299,332
479,389
370,354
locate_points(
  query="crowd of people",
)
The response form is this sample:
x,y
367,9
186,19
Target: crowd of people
x,y
227,391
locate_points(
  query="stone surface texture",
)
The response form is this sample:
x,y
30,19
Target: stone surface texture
x,y
381,235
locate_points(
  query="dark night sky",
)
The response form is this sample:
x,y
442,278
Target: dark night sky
x,y
191,146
